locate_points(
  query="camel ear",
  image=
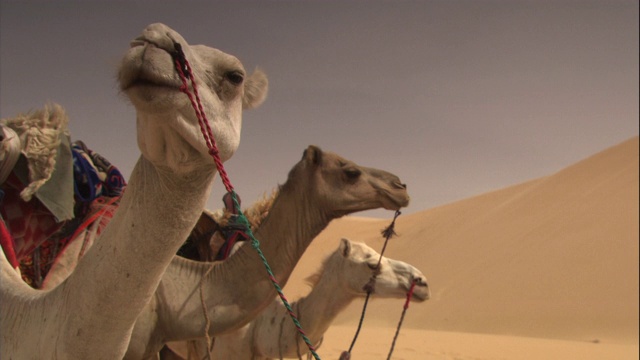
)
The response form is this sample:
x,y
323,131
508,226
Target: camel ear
x,y
345,247
313,155
256,87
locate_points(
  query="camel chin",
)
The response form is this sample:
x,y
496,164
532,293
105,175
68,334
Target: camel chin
x,y
392,200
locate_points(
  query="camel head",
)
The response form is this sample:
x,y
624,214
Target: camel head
x,y
355,263
168,129
342,187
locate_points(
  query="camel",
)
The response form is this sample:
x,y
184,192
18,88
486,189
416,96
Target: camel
x,y
341,279
92,313
321,187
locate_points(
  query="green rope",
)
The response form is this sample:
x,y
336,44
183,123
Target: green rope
x,y
242,220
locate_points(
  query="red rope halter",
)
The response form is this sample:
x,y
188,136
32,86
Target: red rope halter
x,y
184,71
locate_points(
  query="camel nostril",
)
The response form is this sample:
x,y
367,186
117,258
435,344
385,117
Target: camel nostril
x,y
421,282
399,185
158,35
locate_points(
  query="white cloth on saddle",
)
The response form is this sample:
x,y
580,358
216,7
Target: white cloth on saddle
x,y
46,163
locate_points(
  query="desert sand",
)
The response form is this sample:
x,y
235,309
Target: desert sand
x,y
546,269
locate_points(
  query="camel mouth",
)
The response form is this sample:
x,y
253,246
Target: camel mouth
x,y
421,293
392,193
147,66
143,77
143,82
421,290
394,199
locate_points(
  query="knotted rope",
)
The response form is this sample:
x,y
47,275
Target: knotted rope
x,y
184,71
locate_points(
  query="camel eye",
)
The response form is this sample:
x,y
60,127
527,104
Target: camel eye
x,y
352,173
372,266
234,77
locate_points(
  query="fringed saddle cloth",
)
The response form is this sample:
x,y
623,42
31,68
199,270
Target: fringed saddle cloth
x,y
51,191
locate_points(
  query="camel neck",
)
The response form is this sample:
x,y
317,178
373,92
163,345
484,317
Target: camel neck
x,y
293,222
157,211
327,299
237,289
316,311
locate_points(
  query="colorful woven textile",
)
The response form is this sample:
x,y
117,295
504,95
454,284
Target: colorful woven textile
x,y
29,223
94,176
36,235
35,266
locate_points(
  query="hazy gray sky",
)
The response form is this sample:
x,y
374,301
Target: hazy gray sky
x,y
456,97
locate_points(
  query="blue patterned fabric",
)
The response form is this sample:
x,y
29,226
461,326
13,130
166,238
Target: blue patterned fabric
x,y
94,176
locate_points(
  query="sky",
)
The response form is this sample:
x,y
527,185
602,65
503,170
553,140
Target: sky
x,y
457,98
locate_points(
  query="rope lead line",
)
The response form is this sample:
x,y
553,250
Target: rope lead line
x,y
404,311
387,232
184,71
182,62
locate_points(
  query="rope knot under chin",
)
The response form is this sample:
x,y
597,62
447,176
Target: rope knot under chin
x,y
370,287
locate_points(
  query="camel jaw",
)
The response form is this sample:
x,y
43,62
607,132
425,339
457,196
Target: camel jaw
x,y
394,199
388,199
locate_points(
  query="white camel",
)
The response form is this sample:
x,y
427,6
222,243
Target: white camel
x,y
92,313
321,187
341,279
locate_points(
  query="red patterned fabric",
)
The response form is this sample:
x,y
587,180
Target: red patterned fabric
x,y
102,210
6,243
31,234
29,223
35,270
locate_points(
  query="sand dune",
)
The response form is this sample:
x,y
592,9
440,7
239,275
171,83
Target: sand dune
x,y
550,266
416,344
